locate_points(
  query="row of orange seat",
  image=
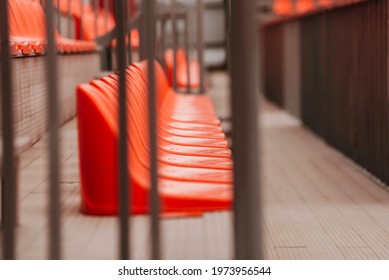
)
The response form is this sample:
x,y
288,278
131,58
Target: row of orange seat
x,y
288,7
194,161
92,24
27,25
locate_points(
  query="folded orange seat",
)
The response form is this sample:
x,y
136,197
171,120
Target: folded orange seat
x,y
182,71
27,27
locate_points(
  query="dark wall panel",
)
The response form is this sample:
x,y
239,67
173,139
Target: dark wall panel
x,y
344,79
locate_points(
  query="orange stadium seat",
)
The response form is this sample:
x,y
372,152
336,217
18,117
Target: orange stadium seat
x,y
182,73
282,7
104,24
303,6
194,161
27,27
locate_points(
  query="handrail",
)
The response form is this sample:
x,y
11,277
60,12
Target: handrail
x,y
111,35
134,23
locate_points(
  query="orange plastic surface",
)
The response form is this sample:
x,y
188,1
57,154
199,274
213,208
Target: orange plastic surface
x,y
282,7
194,166
325,2
304,6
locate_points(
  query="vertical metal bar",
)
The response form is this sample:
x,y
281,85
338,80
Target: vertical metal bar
x,y
244,77
187,50
81,19
8,176
96,12
200,43
163,42
105,16
69,19
122,156
228,22
59,16
142,33
52,100
158,31
174,29
154,196
129,47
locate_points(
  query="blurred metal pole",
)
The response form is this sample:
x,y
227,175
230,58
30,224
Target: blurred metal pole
x,y
129,47
142,33
8,201
244,81
154,196
59,16
163,42
123,193
174,29
105,15
52,102
69,20
96,12
228,32
187,50
200,43
81,19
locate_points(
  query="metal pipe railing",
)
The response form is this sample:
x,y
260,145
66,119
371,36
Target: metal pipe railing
x,y
105,6
81,19
244,99
128,19
112,34
59,16
69,19
96,13
163,42
200,43
154,196
187,48
244,77
174,29
123,193
8,201
174,15
52,103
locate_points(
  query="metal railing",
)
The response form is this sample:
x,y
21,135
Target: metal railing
x,y
243,69
341,86
8,191
245,136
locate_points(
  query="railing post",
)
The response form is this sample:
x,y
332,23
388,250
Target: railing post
x,y
8,197
163,42
105,16
69,19
59,16
96,12
52,105
129,47
81,19
123,193
245,95
187,48
200,43
154,196
174,30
